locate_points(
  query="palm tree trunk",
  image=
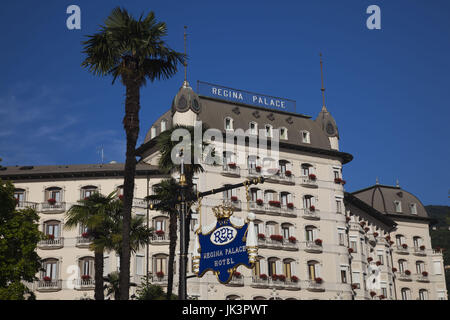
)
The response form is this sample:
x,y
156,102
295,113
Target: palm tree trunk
x,y
172,246
98,266
131,126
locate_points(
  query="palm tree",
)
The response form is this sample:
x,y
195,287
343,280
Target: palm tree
x,y
112,288
134,51
93,212
164,192
166,145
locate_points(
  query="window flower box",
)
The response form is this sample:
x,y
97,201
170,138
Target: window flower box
x,y
350,250
160,274
337,180
312,177
232,165
275,203
394,269
318,280
259,202
51,201
160,232
237,275
292,239
318,242
261,236
85,235
407,272
373,294
425,274
276,237
288,173
381,296
422,248
85,277
366,229
404,246
234,198
312,208
281,277
47,279
258,168
50,237
290,205
294,279
369,259
263,276
121,197
378,263
375,234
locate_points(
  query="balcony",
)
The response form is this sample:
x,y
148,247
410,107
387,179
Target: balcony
x,y
236,281
310,214
292,285
314,286
160,280
160,239
26,204
83,242
402,276
420,252
312,247
400,249
274,243
55,243
57,207
258,282
278,177
306,181
85,284
288,211
236,204
49,285
422,278
290,245
231,170
140,203
253,172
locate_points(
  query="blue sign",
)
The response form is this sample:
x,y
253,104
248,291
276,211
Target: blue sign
x,y
241,96
225,246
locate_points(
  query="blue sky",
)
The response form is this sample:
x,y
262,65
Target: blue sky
x,y
387,89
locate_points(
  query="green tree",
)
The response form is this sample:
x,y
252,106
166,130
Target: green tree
x,y
19,236
164,193
112,286
134,51
148,291
94,213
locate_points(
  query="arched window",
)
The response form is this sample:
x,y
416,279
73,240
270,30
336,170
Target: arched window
x,y
286,199
228,123
285,167
253,127
398,206
268,130
163,125
259,298
305,136
53,194
270,196
52,229
274,266
160,227
159,262
19,195
86,265
418,242
307,169
413,208
283,133
253,164
420,267
260,267
313,269
87,191
309,202
423,294
256,194
50,269
287,230
259,227
289,268
406,294
311,233
271,228
233,297
400,240
402,265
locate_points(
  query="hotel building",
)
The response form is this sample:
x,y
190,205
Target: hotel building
x,y
315,240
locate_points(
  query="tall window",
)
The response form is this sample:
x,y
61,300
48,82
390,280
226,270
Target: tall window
x,y
228,123
87,266
286,230
289,268
400,239
311,233
163,125
338,206
286,198
354,243
305,136
417,242
398,206
283,133
420,267
159,224
160,263
152,132
88,191
423,294
53,193
341,237
273,263
306,169
268,130
413,208
52,228
402,265
344,274
308,201
140,264
406,294
313,269
380,256
19,195
50,269
253,127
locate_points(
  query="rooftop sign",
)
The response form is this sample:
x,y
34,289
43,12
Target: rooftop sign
x,y
241,96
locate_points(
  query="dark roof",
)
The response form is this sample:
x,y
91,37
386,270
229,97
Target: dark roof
x,y
382,197
72,171
352,200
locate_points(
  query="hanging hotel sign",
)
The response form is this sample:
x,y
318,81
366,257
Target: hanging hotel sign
x,y
241,96
224,245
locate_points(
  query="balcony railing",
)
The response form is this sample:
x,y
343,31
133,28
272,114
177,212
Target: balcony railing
x,y
312,246
422,278
400,250
140,203
83,242
85,284
310,214
274,244
286,179
160,280
403,276
290,245
258,282
313,285
50,285
288,211
55,243
252,172
419,252
26,204
236,204
305,181
55,207
236,281
231,171
160,239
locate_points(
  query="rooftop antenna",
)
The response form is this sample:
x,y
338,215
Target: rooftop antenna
x,y
323,88
185,83
100,151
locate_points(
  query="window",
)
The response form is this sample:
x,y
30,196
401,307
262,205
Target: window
x,y
341,237
423,294
356,278
343,274
268,128
274,266
354,243
307,169
283,133
163,125
286,198
338,206
228,123
336,174
50,269
384,290
140,264
159,224
52,228
53,193
402,265
380,256
305,136
413,208
105,265
87,191
19,195
437,267
417,242
311,233
152,132
313,270
289,268
86,266
398,206
160,264
406,294
253,128
117,263
420,267
308,201
232,297
400,239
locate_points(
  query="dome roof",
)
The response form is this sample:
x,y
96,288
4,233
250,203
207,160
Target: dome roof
x,y
383,198
327,123
186,99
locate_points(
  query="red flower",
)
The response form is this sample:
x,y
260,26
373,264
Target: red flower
x,y
276,237
366,229
263,276
292,239
274,277
407,272
294,279
318,280
234,198
85,277
394,269
350,250
373,294
232,165
47,278
388,238
378,263
318,242
354,286
274,203
343,182
312,176
288,173
290,205
160,274
121,197
375,234
159,232
362,223
261,236
312,208
381,296
51,201
258,168
369,259
337,180
391,242
281,277
422,247
405,246
51,237
259,202
85,235
425,274
237,274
